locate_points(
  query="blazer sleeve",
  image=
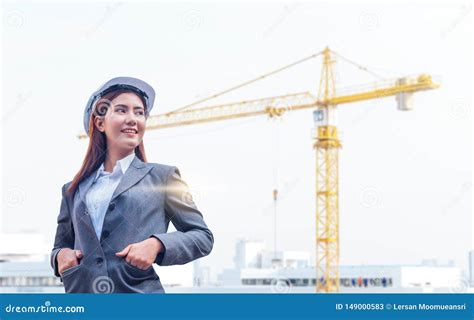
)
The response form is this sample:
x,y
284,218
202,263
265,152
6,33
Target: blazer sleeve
x,y
64,232
193,239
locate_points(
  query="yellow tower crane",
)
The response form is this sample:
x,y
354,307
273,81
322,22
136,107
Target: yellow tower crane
x,y
327,142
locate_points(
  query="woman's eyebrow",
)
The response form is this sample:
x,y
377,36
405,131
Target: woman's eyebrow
x,y
124,105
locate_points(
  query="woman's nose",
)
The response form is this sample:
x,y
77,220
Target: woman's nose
x,y
131,118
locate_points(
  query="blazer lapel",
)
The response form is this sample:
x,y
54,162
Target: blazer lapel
x,y
85,185
137,170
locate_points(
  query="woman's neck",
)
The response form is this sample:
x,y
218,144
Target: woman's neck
x,y
112,158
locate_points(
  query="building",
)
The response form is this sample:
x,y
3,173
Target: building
x,y
293,271
24,264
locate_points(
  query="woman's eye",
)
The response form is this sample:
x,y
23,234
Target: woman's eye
x,y
140,113
120,110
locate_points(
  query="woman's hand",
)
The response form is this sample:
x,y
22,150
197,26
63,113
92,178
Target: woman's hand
x,y
68,258
142,254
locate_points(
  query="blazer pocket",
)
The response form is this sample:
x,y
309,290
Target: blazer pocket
x,y
136,269
135,276
75,280
71,270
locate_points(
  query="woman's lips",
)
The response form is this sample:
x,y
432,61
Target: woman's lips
x,y
130,132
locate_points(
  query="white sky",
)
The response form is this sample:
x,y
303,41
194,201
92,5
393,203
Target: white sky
x,y
405,177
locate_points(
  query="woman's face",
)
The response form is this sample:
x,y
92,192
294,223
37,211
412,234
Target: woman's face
x,y
124,122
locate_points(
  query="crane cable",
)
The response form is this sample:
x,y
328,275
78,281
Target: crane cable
x,y
359,66
247,83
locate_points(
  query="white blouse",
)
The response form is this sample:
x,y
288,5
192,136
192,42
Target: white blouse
x,y
103,186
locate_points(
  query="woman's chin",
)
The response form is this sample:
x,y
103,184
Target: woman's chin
x,y
131,146
126,143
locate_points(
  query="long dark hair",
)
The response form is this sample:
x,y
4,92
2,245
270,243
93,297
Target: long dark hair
x,y
97,149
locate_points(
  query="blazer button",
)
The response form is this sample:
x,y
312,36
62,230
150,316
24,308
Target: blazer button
x,y
99,260
112,206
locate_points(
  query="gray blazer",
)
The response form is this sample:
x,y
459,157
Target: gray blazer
x,y
148,197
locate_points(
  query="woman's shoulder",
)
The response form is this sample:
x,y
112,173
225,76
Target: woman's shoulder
x,y
66,185
162,169
65,188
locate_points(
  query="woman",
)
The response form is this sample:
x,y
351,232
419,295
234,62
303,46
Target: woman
x,y
115,213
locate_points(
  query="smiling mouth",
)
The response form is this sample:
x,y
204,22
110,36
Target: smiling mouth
x,y
130,131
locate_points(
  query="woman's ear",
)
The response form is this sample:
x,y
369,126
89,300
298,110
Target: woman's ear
x,y
99,123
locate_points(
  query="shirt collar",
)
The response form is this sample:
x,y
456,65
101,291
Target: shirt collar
x,y
121,164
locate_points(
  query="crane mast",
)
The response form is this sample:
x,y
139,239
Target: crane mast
x,y
327,146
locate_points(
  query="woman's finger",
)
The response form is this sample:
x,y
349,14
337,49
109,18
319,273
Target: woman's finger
x,y
78,254
124,252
